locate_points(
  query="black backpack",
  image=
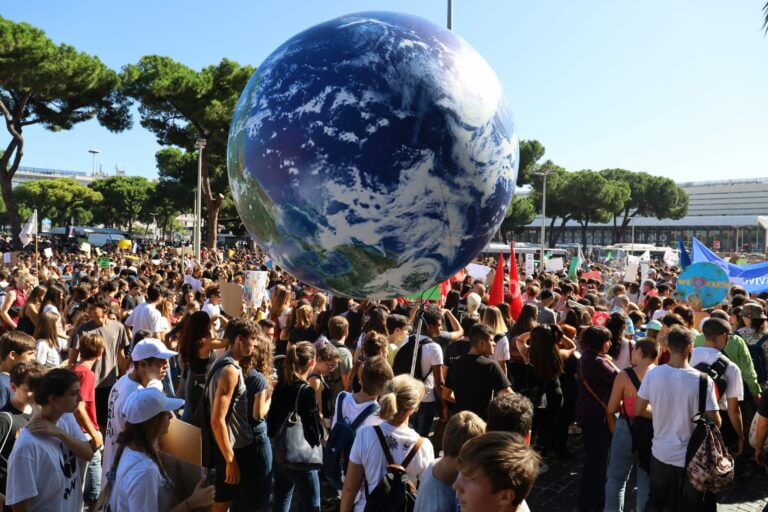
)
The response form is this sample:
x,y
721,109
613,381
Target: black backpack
x,y
395,493
641,430
201,417
404,358
336,451
716,372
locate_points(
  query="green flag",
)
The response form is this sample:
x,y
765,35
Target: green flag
x,y
574,267
429,294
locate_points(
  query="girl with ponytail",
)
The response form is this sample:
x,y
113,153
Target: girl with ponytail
x,y
367,456
295,395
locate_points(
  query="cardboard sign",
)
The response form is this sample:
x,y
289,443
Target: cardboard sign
x,y
48,252
255,288
185,476
184,442
555,265
124,244
104,262
231,298
97,250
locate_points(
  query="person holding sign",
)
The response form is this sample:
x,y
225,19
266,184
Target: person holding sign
x,y
139,481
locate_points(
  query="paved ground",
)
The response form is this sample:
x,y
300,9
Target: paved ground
x,y
557,490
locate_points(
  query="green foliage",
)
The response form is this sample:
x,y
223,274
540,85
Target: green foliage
x,y
520,213
595,199
650,196
180,105
124,198
59,200
531,151
53,86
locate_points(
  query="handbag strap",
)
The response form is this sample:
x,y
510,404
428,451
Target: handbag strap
x,y
591,392
298,395
702,393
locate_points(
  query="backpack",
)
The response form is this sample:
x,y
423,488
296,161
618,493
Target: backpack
x,y
757,353
336,452
708,464
641,430
395,493
716,372
201,417
404,358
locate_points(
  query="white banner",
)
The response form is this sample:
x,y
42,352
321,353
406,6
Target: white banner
x,y
529,264
555,265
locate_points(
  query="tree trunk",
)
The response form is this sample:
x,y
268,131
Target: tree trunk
x,y
14,149
584,236
11,207
213,204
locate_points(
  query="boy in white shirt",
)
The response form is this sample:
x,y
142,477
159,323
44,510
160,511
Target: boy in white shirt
x,y
717,332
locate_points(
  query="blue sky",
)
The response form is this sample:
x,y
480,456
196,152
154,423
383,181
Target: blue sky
x,y
675,88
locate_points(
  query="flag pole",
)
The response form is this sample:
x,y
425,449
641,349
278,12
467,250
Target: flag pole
x,y
37,258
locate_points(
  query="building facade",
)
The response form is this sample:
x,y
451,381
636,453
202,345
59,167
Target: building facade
x,y
726,215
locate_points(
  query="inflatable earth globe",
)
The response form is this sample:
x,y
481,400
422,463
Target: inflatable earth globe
x,y
373,155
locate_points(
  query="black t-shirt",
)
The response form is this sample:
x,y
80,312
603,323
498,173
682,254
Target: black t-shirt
x,y
474,379
454,351
129,302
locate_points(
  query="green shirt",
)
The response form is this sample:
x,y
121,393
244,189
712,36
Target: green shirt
x,y
736,350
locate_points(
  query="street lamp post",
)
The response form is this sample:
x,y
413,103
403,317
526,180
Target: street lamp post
x,y
543,174
200,145
450,14
93,153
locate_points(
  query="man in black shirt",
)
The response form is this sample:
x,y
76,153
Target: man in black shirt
x,y
475,378
16,413
460,347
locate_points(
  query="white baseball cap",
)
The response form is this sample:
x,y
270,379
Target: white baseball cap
x,y
151,347
147,403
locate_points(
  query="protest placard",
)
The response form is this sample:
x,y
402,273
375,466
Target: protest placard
x,y
195,283
255,288
555,265
185,477
529,264
183,441
703,285
231,298
48,252
478,271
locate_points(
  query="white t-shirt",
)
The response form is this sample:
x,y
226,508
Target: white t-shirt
x,y
45,471
145,317
674,397
624,359
123,388
659,314
734,387
47,355
139,485
350,410
431,355
213,311
367,451
501,350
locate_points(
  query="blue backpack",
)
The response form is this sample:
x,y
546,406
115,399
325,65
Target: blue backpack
x,y
336,453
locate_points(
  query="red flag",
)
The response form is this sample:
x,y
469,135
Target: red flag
x,y
516,304
497,288
445,287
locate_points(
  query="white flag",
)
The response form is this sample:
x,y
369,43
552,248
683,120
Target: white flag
x,y
670,258
29,229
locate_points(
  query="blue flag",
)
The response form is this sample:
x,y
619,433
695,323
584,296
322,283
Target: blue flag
x,y
685,259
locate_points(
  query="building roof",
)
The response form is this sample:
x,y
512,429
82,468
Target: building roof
x,y
726,221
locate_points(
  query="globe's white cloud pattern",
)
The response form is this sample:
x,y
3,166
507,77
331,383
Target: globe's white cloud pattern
x,y
373,155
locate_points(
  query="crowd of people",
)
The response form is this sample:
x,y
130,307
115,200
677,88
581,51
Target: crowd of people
x,y
312,400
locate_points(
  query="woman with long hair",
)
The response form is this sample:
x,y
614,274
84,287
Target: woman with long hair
x,y
493,319
376,322
526,321
280,310
259,383
137,479
15,299
48,346
54,301
319,303
367,458
303,327
652,304
621,347
549,349
295,395
196,346
28,317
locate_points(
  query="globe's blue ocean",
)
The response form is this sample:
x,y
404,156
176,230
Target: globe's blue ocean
x,y
373,155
